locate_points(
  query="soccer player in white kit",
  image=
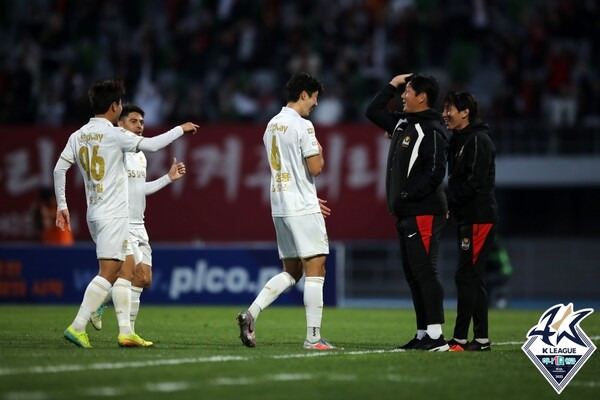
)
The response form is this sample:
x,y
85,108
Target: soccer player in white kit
x,y
295,158
139,252
98,148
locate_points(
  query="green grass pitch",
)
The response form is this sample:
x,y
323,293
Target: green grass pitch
x,y
198,355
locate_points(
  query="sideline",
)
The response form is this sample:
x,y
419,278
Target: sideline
x,y
53,369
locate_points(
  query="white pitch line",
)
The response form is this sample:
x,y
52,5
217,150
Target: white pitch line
x,y
52,369
589,384
227,381
37,395
291,377
166,387
507,343
234,381
105,391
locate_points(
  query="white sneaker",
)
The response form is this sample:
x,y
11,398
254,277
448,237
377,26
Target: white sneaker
x,y
96,318
321,344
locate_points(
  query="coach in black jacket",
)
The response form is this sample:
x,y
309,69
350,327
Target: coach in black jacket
x,y
415,171
471,184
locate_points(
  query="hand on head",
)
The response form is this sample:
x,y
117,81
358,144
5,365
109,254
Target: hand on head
x,y
400,79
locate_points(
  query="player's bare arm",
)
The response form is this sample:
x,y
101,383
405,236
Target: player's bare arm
x,y
315,163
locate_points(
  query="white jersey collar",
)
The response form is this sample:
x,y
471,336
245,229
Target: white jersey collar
x,y
290,110
101,120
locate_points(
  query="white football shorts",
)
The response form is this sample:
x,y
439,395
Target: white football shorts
x,y
301,236
111,237
139,245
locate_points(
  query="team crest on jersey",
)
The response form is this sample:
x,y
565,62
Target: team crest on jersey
x,y
465,243
557,345
406,141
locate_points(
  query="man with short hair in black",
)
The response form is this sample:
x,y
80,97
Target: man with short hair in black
x,y
471,184
414,184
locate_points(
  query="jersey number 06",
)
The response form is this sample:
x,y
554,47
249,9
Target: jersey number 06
x,y
93,168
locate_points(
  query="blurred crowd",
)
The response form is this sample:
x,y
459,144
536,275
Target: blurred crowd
x,y
532,64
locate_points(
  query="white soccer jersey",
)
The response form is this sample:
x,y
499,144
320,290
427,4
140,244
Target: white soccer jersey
x,y
138,187
98,149
289,139
136,174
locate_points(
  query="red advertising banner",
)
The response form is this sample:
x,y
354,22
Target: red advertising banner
x,y
225,195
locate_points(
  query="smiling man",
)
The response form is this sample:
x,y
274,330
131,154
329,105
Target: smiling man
x,y
472,202
414,184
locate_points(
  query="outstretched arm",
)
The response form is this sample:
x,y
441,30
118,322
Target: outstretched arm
x,y
156,143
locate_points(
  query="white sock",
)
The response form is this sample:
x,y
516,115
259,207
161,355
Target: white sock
x,y
92,298
273,288
482,340
136,292
421,333
461,341
122,301
313,302
108,297
434,331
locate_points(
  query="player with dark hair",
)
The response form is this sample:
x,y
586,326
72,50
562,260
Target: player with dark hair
x,y
139,252
414,184
295,159
98,148
472,203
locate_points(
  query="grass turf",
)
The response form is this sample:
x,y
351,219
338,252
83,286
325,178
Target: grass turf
x,y
197,354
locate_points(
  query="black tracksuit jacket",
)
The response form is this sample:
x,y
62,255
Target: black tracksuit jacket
x,y
472,175
416,160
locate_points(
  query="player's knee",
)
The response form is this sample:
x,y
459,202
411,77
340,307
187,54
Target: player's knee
x,y
125,275
297,275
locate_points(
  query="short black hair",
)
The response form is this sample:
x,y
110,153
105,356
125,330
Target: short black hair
x,y
131,108
103,93
462,101
302,81
425,83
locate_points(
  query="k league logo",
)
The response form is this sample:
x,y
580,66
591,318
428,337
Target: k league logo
x,y
558,346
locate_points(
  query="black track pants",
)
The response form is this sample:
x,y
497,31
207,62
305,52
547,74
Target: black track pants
x,y
474,246
419,242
